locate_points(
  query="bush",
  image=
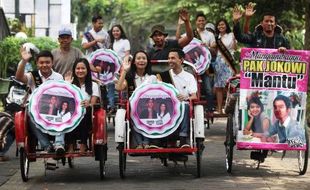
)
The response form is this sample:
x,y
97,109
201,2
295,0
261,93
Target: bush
x,y
9,51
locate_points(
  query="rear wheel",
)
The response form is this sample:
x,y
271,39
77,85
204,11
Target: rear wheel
x,y
200,147
24,164
229,143
122,160
303,157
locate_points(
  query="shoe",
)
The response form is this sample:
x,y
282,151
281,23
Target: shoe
x,y
185,146
60,151
183,143
146,146
4,158
152,146
139,146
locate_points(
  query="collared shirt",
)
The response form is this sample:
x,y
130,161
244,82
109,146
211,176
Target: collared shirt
x,y
97,35
95,88
184,82
120,47
31,82
139,80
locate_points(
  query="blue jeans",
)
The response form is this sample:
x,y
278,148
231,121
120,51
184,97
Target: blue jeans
x,y
9,141
208,82
111,94
139,138
185,122
43,137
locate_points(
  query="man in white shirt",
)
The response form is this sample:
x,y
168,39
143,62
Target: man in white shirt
x,y
187,86
96,38
44,62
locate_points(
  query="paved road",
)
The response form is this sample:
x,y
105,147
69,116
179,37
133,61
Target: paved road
x,y
146,173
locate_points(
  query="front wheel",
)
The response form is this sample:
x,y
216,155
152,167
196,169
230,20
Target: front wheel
x,y
229,143
302,156
24,164
122,160
200,147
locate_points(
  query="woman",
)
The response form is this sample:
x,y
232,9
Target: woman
x,y
64,111
163,113
119,42
132,76
258,122
90,91
224,38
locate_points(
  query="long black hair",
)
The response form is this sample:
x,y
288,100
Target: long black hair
x,y
133,68
257,119
159,110
123,35
88,79
67,110
228,30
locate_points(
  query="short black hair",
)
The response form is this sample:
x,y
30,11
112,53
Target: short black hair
x,y
201,14
180,52
269,13
44,53
95,18
285,99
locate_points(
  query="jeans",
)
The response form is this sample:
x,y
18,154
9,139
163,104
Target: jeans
x,y
185,122
110,95
139,138
207,82
9,141
43,137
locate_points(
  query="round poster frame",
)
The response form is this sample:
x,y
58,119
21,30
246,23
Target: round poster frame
x,y
201,65
165,92
53,124
105,78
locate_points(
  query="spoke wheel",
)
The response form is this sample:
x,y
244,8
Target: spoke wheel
x,y
229,143
303,156
24,164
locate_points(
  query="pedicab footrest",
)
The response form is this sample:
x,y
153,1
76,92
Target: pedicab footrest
x,y
53,155
162,150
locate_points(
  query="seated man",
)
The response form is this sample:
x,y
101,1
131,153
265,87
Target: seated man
x,y
186,85
44,62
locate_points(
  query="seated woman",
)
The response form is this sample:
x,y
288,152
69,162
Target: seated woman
x,y
258,122
133,75
90,90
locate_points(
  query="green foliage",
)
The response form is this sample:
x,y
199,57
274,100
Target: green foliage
x,y
10,47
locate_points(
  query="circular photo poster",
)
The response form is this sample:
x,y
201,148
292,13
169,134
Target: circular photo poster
x,y
55,107
155,110
107,63
198,54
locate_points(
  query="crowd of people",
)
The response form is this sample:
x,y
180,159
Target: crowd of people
x,y
69,63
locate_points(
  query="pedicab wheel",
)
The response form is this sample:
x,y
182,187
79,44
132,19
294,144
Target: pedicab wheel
x,y
229,143
24,164
200,147
70,162
303,156
102,167
63,161
122,160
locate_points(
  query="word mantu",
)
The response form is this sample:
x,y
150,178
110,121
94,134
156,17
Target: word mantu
x,y
264,80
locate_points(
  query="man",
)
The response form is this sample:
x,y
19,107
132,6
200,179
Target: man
x,y
186,85
44,62
162,46
96,38
65,55
288,130
149,112
266,35
51,107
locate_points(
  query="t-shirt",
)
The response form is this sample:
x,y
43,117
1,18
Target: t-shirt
x,y
96,35
63,61
162,54
95,88
31,82
184,82
120,47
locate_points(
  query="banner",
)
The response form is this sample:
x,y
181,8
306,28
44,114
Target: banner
x,y
55,107
107,62
273,93
155,110
198,54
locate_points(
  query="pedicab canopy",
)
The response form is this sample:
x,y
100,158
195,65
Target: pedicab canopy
x,y
155,110
273,94
198,54
55,107
107,62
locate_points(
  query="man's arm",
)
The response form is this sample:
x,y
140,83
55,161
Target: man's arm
x,y
20,73
184,15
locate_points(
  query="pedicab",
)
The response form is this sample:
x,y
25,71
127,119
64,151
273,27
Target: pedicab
x,y
266,106
51,124
162,131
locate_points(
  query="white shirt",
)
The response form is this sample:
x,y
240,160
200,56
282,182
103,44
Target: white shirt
x,y
31,82
120,47
206,37
97,35
184,82
139,80
229,41
95,88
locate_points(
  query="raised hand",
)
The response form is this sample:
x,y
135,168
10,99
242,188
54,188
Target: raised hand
x,y
26,55
184,15
127,63
237,13
249,9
